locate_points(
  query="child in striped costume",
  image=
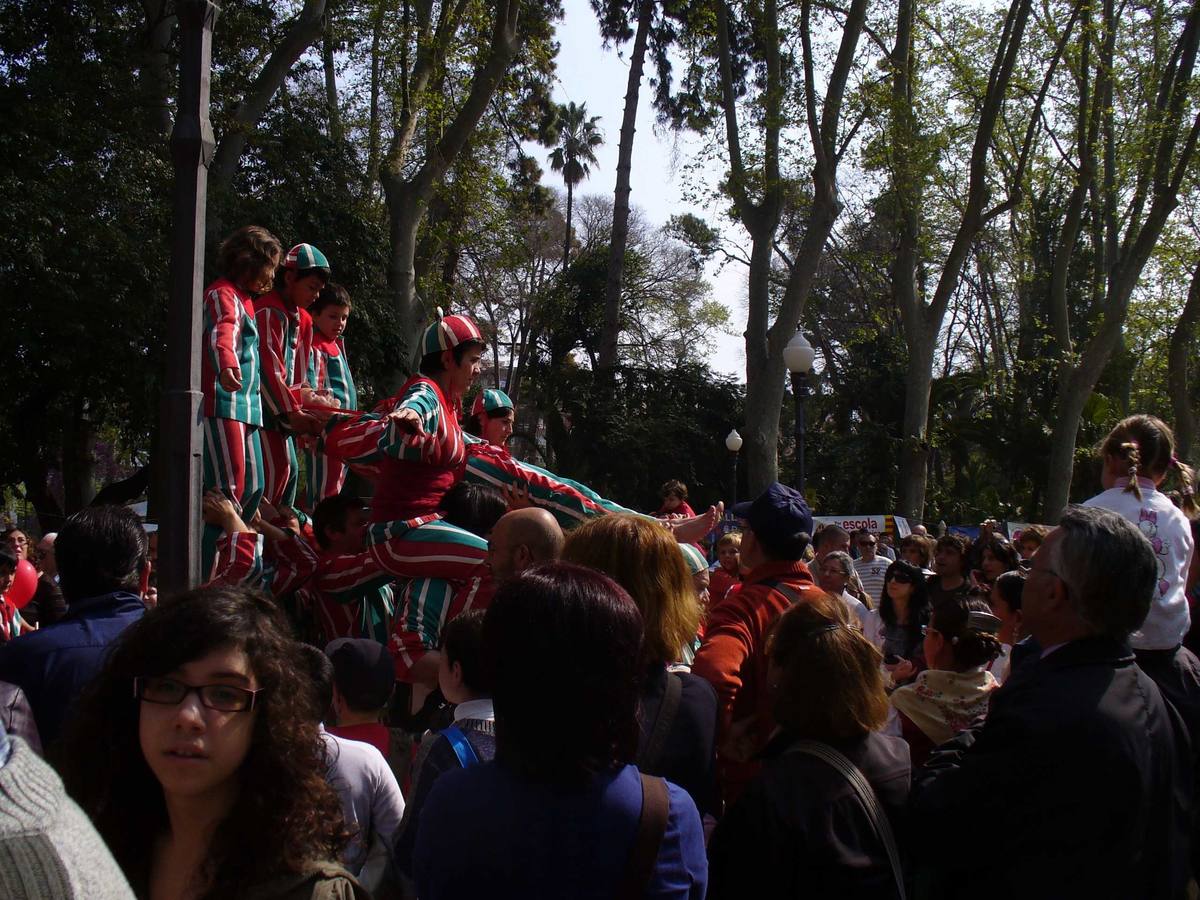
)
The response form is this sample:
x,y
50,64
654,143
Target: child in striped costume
x,y
329,372
350,595
232,455
286,332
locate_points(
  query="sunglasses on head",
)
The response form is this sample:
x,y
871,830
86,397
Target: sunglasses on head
x,y
901,577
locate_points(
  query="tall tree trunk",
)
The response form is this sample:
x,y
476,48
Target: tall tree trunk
x,y
567,236
409,198
1123,257
300,35
331,91
1182,337
404,218
610,336
922,321
764,375
373,127
78,458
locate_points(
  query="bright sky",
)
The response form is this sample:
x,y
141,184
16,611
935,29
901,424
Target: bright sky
x,y
589,74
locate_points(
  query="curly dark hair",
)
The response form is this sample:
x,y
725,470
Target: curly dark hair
x,y
918,604
286,814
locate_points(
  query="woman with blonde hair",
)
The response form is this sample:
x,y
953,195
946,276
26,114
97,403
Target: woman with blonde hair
x,y
678,710
802,828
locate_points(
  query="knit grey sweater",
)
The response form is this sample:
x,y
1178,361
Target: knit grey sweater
x,y
48,848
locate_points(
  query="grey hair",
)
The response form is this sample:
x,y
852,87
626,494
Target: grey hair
x,y
842,557
1108,567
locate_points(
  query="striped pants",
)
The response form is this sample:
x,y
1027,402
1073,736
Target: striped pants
x,y
281,469
232,464
326,475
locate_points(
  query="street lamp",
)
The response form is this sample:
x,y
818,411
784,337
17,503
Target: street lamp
x,y
192,149
733,443
798,356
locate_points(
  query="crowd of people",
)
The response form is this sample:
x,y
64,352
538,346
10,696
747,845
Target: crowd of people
x,y
493,680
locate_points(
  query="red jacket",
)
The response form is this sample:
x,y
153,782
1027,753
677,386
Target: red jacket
x,y
733,656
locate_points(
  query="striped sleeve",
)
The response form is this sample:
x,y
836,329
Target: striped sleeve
x,y
294,564
222,309
347,576
239,560
276,378
365,438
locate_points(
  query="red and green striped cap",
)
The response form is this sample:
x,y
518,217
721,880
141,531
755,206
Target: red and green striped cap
x,y
305,256
448,332
489,401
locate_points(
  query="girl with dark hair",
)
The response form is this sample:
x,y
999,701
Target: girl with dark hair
x,y
896,626
799,829
557,813
1138,454
200,762
1005,601
997,556
960,643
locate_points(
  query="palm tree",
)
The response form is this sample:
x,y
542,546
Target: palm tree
x,y
577,136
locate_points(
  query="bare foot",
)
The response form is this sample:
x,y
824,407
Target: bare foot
x,y
688,531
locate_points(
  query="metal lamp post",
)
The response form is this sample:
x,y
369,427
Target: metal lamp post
x,y
798,356
733,443
192,147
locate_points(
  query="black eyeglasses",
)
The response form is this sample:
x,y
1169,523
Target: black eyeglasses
x,y
169,692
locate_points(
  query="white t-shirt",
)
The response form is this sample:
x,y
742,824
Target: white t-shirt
x,y
860,611
871,575
1169,533
371,800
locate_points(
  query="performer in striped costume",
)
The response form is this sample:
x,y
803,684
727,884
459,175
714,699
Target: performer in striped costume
x,y
413,443
350,595
329,371
285,346
232,454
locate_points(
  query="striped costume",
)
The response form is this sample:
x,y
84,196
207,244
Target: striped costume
x,y
328,369
285,346
412,472
568,501
352,596
232,454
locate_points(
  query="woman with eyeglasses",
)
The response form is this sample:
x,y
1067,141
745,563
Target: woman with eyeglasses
x,y
903,609
960,642
200,762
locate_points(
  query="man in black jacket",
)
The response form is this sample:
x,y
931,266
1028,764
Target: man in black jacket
x,y
1079,783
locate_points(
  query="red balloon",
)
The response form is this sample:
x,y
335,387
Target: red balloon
x,y
24,584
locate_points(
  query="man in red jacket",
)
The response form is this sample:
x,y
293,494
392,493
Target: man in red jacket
x,y
777,528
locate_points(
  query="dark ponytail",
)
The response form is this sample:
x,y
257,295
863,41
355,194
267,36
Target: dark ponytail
x,y
968,625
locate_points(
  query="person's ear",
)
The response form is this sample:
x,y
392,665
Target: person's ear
x,y
456,674
524,557
144,577
449,363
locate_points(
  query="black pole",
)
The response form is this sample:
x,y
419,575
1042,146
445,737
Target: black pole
x,y
192,148
733,484
799,389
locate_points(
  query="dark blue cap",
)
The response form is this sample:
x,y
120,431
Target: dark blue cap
x,y
777,510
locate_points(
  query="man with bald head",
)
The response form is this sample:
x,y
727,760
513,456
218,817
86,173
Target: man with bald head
x,y
523,538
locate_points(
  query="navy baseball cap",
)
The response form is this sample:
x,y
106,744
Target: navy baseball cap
x,y
363,672
778,510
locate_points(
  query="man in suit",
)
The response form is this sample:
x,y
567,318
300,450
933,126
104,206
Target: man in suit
x,y
1082,769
